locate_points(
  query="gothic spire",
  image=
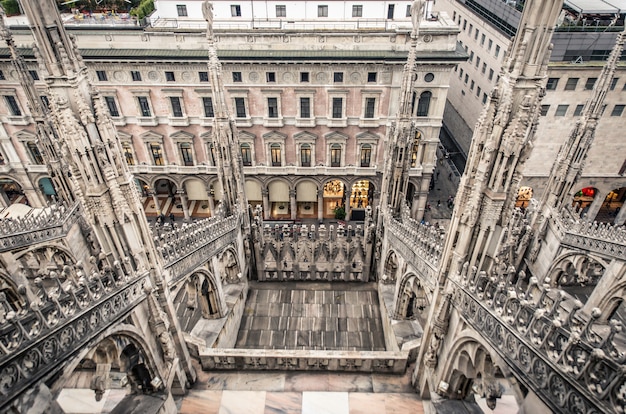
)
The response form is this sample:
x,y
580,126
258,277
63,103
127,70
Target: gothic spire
x,y
501,143
225,134
402,131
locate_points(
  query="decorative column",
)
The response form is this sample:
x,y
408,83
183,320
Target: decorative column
x,y
320,205
184,202
621,216
266,203
294,205
595,206
155,199
347,206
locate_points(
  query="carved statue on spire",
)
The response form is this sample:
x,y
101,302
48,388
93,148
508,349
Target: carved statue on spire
x,y
417,13
207,12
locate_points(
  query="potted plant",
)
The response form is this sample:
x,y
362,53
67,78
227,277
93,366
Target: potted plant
x,y
340,212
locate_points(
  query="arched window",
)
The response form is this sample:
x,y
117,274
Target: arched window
x,y
423,104
246,155
335,155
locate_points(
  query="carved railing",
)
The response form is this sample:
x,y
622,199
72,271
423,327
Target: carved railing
x,y
41,225
189,246
35,341
418,244
602,238
573,364
300,360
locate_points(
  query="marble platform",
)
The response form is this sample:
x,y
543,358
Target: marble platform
x,y
302,392
312,316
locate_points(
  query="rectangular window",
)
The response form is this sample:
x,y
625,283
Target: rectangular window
x,y
544,110
112,105
186,154
578,110
561,110
472,86
169,76
102,75
478,91
484,69
45,102
135,75
461,73
203,76
464,24
270,76
144,106
272,107
371,77
471,27
614,83
408,12
240,107
177,109
489,44
390,10
322,11
571,84
304,76
281,10
335,155
237,77
2,77
551,84
466,78
471,57
590,83
305,155
246,155
235,10
305,107
490,77
370,107
207,103
128,154
14,108
34,75
35,153
276,158
366,155
338,77
497,50
617,110
157,153
477,61
337,107
181,9
476,34
484,98
357,11
482,40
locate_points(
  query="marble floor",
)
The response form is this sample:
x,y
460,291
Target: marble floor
x,y
301,392
320,316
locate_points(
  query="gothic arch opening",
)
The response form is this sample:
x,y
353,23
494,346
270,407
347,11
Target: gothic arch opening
x,y
577,275
472,374
390,271
117,366
411,300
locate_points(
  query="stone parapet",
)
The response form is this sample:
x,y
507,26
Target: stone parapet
x,y
567,359
37,226
302,360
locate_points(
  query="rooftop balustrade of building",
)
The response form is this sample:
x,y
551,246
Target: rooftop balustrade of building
x,y
568,358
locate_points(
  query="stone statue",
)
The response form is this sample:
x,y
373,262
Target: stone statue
x,y
207,12
417,13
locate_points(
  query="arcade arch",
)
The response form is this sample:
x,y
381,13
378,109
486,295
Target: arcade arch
x,y
306,199
11,192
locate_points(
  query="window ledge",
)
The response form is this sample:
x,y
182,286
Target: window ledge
x,y
147,121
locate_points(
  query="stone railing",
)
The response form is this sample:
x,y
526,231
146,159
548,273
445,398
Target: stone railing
x,y
418,244
602,238
34,341
38,226
301,360
572,363
190,245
